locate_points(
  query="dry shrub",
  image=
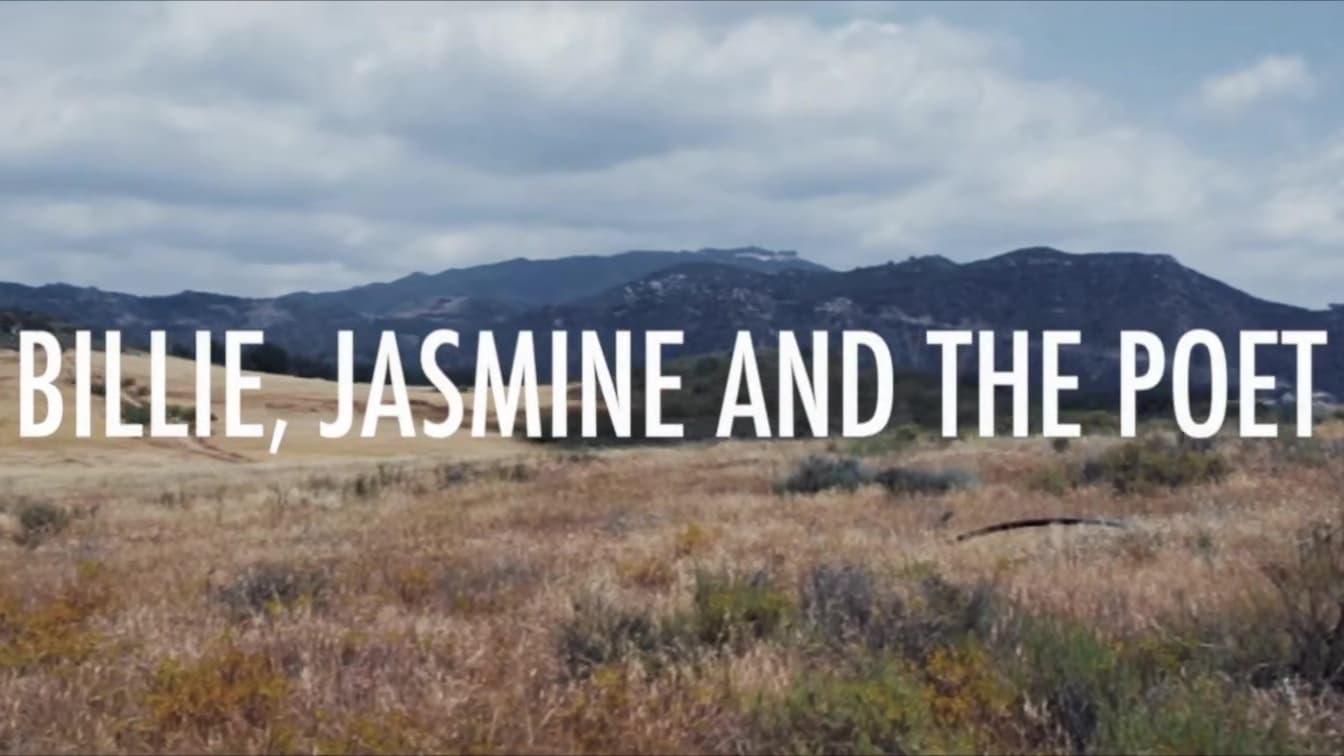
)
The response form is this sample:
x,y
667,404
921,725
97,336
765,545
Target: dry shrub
x,y
488,588
452,474
1053,479
373,733
273,586
651,572
227,687
412,584
848,604
463,588
601,633
841,601
372,485
53,630
1310,589
693,540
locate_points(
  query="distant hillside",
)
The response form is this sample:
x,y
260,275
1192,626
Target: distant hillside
x,y
712,294
1033,289
525,283
305,323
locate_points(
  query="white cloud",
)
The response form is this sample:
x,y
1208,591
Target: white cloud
x,y
1272,77
255,149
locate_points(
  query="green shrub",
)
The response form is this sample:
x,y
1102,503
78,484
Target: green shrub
x,y
731,608
892,441
1078,677
906,481
40,520
1143,466
931,665
886,709
1053,479
819,473
1203,715
137,414
1305,452
727,611
177,413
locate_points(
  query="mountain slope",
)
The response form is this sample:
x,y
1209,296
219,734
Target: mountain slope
x,y
465,299
1033,289
522,282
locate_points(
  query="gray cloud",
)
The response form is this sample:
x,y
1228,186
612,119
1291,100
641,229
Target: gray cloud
x,y
257,149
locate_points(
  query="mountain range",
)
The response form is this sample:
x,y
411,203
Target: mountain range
x,y
713,293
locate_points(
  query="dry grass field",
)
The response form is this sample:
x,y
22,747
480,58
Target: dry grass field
x,y
492,595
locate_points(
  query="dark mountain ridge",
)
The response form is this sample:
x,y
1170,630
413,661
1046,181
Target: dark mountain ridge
x,y
1033,289
521,282
712,294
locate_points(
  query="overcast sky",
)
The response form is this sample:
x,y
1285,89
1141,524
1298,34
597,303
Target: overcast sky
x,y
257,149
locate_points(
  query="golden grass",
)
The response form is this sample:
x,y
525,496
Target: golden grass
x,y
444,585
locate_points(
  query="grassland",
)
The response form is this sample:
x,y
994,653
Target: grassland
x,y
491,595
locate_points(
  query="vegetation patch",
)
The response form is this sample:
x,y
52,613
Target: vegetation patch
x,y
271,587
930,665
1138,467
39,521
53,630
480,589
693,539
650,572
893,441
819,473
227,687
846,604
909,481
732,608
842,602
1310,590
601,633
727,611
1147,465
883,709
